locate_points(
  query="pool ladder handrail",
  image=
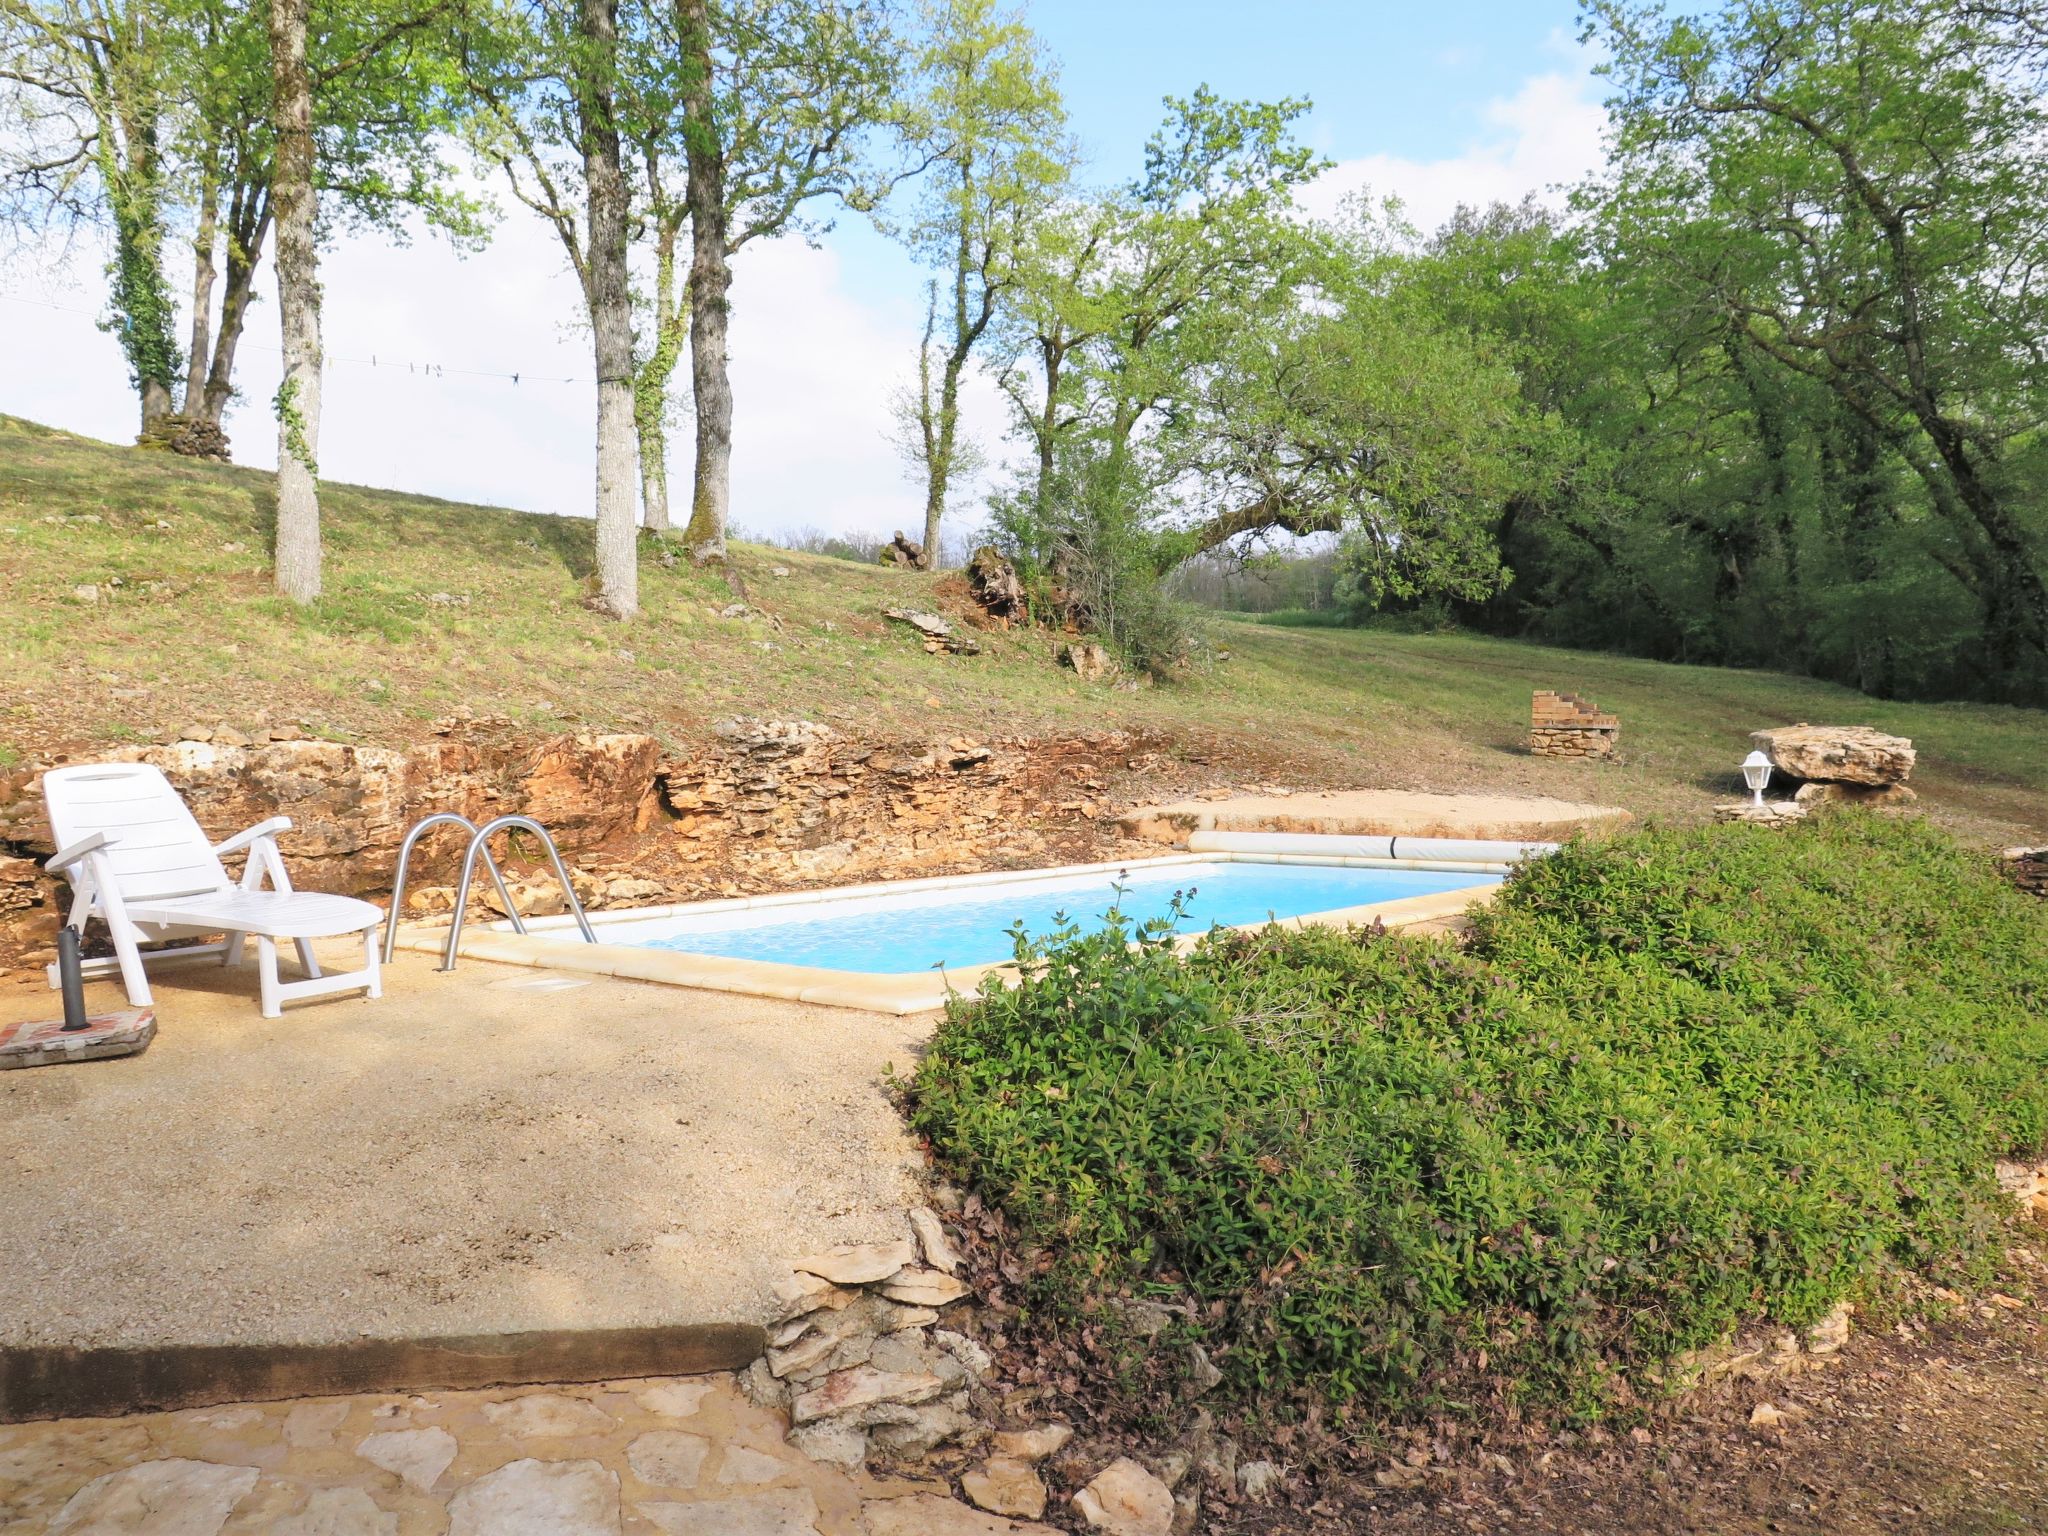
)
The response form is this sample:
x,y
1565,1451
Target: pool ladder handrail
x,y
420,829
478,844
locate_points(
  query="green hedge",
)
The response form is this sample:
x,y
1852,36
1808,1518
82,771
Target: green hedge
x,y
1678,1079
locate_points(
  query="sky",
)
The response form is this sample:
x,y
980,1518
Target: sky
x,y
1462,101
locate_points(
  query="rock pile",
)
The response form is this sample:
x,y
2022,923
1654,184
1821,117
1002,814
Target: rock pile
x,y
1842,764
904,554
2027,868
2027,1183
938,633
192,436
857,1358
1565,725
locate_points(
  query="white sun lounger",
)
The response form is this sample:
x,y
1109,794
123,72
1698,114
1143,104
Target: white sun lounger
x,y
138,860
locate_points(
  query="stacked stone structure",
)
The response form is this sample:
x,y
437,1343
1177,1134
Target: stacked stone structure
x,y
1565,725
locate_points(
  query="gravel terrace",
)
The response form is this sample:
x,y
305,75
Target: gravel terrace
x,y
473,1154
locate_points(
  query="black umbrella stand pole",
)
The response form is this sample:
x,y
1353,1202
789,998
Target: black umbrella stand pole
x,y
71,980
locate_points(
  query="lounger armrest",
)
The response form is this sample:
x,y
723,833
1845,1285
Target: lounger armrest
x,y
64,857
241,840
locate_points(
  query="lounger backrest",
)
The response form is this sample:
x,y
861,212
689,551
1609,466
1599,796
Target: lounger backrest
x,y
158,850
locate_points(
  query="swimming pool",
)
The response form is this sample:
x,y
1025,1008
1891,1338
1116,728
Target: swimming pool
x,y
906,932
901,947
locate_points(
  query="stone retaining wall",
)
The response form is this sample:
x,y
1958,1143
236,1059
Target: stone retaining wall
x,y
761,805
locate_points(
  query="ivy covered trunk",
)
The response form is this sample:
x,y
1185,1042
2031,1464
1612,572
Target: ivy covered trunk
x,y
710,281
141,299
652,379
298,292
611,314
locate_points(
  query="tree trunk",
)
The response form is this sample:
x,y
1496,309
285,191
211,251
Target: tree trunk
x,y
248,228
611,312
1053,354
942,434
710,282
298,294
204,237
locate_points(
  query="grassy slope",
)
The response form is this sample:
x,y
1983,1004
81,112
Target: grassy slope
x,y
192,633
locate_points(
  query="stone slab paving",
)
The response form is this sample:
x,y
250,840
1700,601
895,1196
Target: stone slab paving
x,y
680,1456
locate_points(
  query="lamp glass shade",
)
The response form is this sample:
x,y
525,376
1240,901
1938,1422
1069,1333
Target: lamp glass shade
x,y
1756,770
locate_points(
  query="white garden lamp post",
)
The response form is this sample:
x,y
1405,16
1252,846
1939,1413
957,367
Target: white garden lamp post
x,y
1756,773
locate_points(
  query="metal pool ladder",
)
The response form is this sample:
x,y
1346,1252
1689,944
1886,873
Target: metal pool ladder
x,y
479,844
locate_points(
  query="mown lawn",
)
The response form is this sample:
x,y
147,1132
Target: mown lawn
x,y
434,604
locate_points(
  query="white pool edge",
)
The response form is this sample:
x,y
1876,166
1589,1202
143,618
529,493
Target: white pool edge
x,y
918,992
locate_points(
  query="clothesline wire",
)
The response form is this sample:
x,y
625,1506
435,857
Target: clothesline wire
x,y
429,370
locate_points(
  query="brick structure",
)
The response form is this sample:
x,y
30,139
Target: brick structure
x,y
1565,725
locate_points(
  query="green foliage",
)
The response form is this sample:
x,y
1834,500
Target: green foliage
x,y
1676,1081
1785,327
1091,548
139,307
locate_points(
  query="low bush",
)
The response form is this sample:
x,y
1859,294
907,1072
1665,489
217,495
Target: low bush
x,y
1676,1080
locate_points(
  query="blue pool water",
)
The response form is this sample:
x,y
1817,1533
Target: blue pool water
x,y
912,931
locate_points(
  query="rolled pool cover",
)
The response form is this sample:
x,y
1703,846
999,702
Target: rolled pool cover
x,y
1422,850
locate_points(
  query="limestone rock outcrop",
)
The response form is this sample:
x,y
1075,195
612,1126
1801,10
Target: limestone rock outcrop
x,y
1837,754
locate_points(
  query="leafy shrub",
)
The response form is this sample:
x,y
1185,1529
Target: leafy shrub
x,y
1093,551
1677,1080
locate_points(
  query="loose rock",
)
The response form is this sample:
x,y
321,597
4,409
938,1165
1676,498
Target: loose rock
x,y
1126,1500
938,1250
1831,1332
858,1263
1260,1480
1844,754
1004,1485
924,1287
859,1387
1032,1444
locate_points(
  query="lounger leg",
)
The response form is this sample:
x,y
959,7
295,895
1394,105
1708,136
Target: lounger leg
x,y
372,964
266,971
232,955
131,973
306,961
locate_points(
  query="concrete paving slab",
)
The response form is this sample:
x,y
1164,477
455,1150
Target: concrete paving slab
x,y
1375,812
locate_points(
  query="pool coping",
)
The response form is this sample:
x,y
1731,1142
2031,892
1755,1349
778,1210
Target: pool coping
x,y
915,992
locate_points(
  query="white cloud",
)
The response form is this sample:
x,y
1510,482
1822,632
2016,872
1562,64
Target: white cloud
x,y
813,368
1545,135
